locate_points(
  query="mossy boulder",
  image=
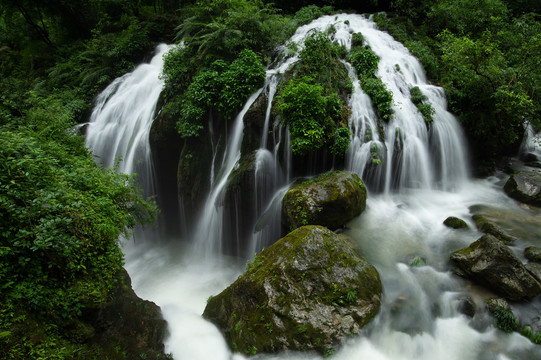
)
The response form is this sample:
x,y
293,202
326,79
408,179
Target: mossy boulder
x,y
308,291
455,223
525,187
489,262
330,200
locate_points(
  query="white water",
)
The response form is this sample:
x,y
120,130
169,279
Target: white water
x,y
531,142
418,318
120,122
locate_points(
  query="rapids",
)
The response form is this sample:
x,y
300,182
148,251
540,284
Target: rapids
x,y
410,196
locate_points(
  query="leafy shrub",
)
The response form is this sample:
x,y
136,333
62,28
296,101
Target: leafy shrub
x,y
365,61
221,86
380,95
309,114
421,101
342,139
309,13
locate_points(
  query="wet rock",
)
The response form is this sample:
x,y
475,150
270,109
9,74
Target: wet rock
x,y
487,227
504,319
466,306
529,157
308,292
495,303
489,262
330,200
525,186
455,223
533,253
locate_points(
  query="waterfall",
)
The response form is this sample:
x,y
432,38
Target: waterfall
x,y
414,186
531,144
120,122
208,234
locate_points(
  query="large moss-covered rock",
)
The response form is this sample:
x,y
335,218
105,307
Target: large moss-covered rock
x,y
308,291
491,263
330,200
525,186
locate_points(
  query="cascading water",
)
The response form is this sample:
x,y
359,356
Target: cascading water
x,y
419,317
120,122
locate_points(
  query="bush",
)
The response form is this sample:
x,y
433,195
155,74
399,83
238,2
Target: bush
x,y
221,86
311,117
421,101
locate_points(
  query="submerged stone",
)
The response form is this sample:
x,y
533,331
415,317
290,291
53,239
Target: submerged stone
x,y
309,291
491,263
455,223
330,200
525,186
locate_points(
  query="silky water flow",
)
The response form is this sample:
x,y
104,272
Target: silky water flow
x,y
416,191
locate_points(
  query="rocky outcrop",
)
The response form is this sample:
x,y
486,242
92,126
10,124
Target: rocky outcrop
x,y
126,322
489,262
455,223
525,187
308,291
330,200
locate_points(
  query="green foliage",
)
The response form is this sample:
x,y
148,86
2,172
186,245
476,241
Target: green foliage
x,y
214,30
342,139
479,77
310,115
421,101
380,95
221,86
484,58
312,101
319,59
365,62
309,13
465,17
504,319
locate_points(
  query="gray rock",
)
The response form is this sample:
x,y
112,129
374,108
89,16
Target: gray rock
x,y
491,263
330,200
466,306
308,291
525,187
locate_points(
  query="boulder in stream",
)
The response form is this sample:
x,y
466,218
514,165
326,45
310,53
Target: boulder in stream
x,y
308,291
525,187
491,263
455,223
330,200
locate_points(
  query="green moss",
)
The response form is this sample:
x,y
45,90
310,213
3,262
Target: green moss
x,y
455,223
